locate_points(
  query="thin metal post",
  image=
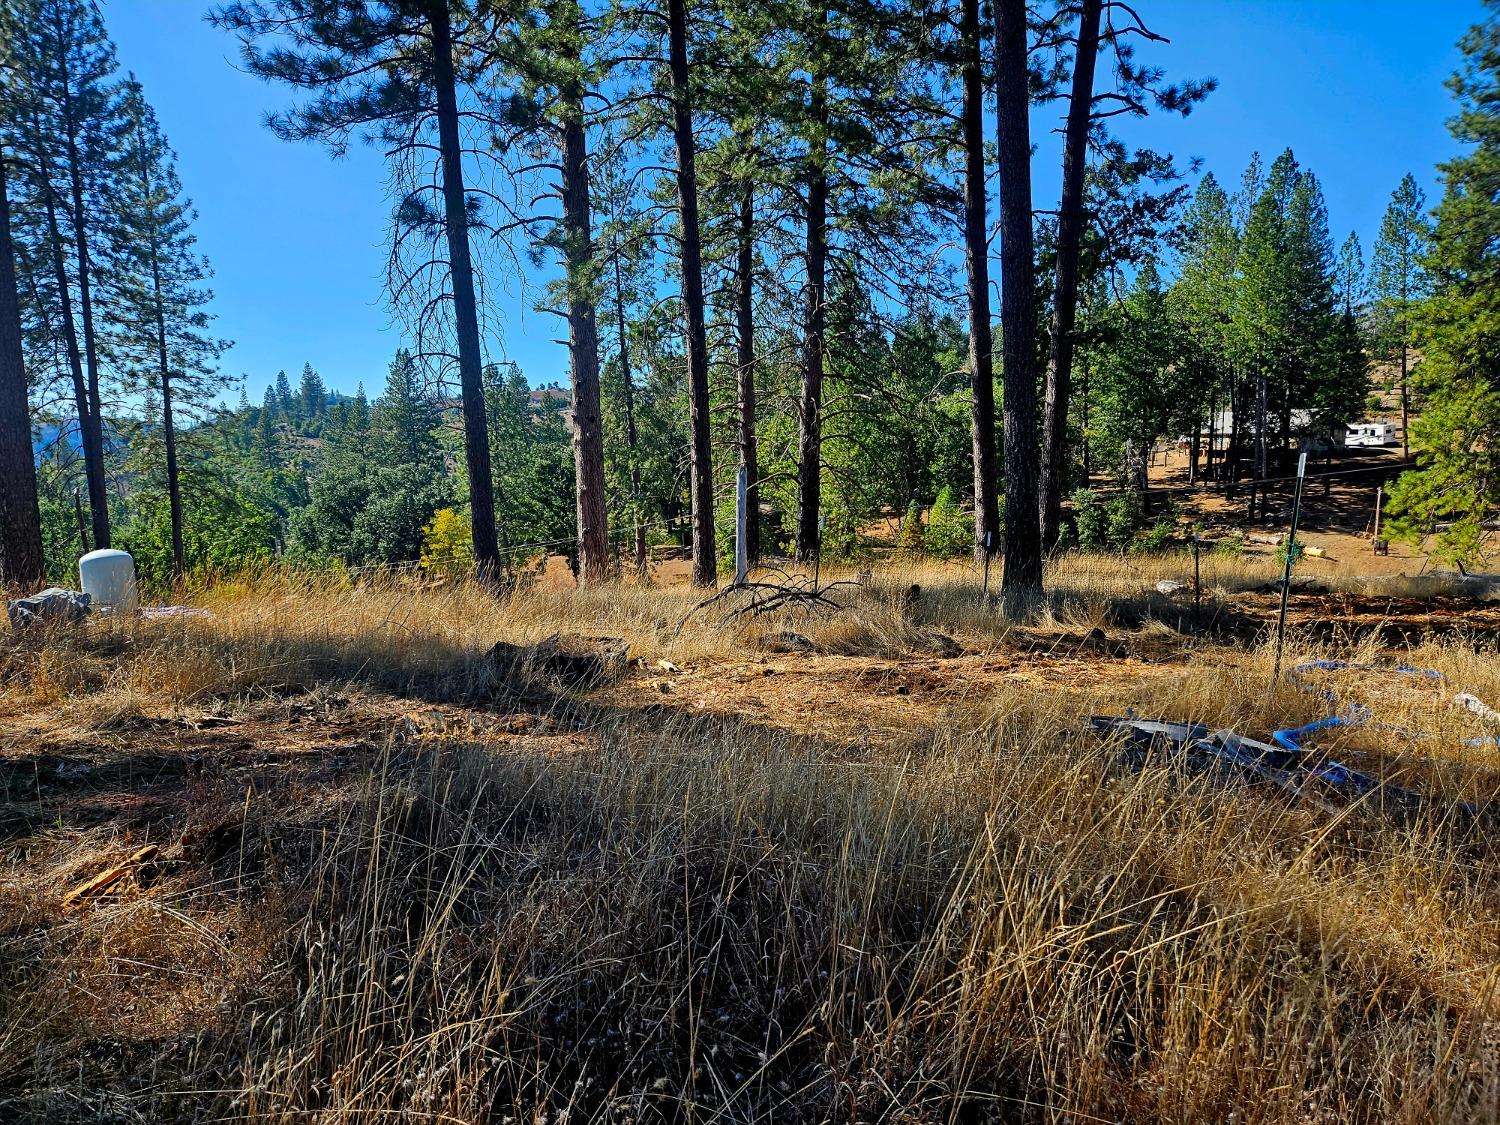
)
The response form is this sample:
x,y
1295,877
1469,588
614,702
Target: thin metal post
x,y
818,554
1286,574
1197,577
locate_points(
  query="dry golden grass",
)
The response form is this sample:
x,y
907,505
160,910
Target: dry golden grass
x,y
647,913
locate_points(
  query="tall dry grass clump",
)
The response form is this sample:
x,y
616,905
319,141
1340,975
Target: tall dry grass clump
x,y
687,918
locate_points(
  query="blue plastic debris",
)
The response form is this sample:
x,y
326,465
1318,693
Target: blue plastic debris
x,y
1357,714
1291,768
1290,763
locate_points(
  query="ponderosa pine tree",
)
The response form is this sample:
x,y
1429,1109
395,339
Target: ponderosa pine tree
x,y
64,122
743,172
1457,483
583,331
701,485
861,130
1399,282
1021,584
395,71
547,114
1135,91
20,517
1070,223
977,263
162,332
623,249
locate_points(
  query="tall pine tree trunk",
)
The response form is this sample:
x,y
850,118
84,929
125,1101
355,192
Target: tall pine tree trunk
x,y
20,519
977,256
744,310
1021,585
810,401
583,347
91,428
1070,221
465,310
627,383
81,404
705,560
168,426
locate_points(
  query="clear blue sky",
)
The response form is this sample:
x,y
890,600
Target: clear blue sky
x,y
1354,87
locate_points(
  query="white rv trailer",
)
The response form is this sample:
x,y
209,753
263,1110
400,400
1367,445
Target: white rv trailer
x,y
1370,433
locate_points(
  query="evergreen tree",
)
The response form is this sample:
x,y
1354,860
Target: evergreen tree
x,y
1283,323
312,396
695,343
20,515
380,478
63,119
161,277
625,276
1203,300
406,477
555,76
1021,582
394,74
1136,89
534,488
267,426
284,400
1458,481
1139,383
1400,283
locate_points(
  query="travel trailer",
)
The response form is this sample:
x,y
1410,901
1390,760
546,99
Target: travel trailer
x,y
1370,433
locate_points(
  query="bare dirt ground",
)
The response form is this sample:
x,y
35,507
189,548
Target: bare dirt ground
x,y
143,776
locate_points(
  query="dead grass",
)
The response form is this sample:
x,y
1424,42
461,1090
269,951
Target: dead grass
x,y
396,889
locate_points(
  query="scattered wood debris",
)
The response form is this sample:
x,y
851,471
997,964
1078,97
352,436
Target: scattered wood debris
x,y
106,880
571,659
938,644
784,591
786,641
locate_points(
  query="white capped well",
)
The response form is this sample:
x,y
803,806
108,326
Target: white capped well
x,y
108,577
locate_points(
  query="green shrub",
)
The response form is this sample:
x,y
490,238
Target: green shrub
x,y
911,541
950,532
1231,548
841,539
1158,537
1122,518
1088,514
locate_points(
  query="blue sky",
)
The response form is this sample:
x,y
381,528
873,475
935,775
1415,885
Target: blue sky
x,y
1354,87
